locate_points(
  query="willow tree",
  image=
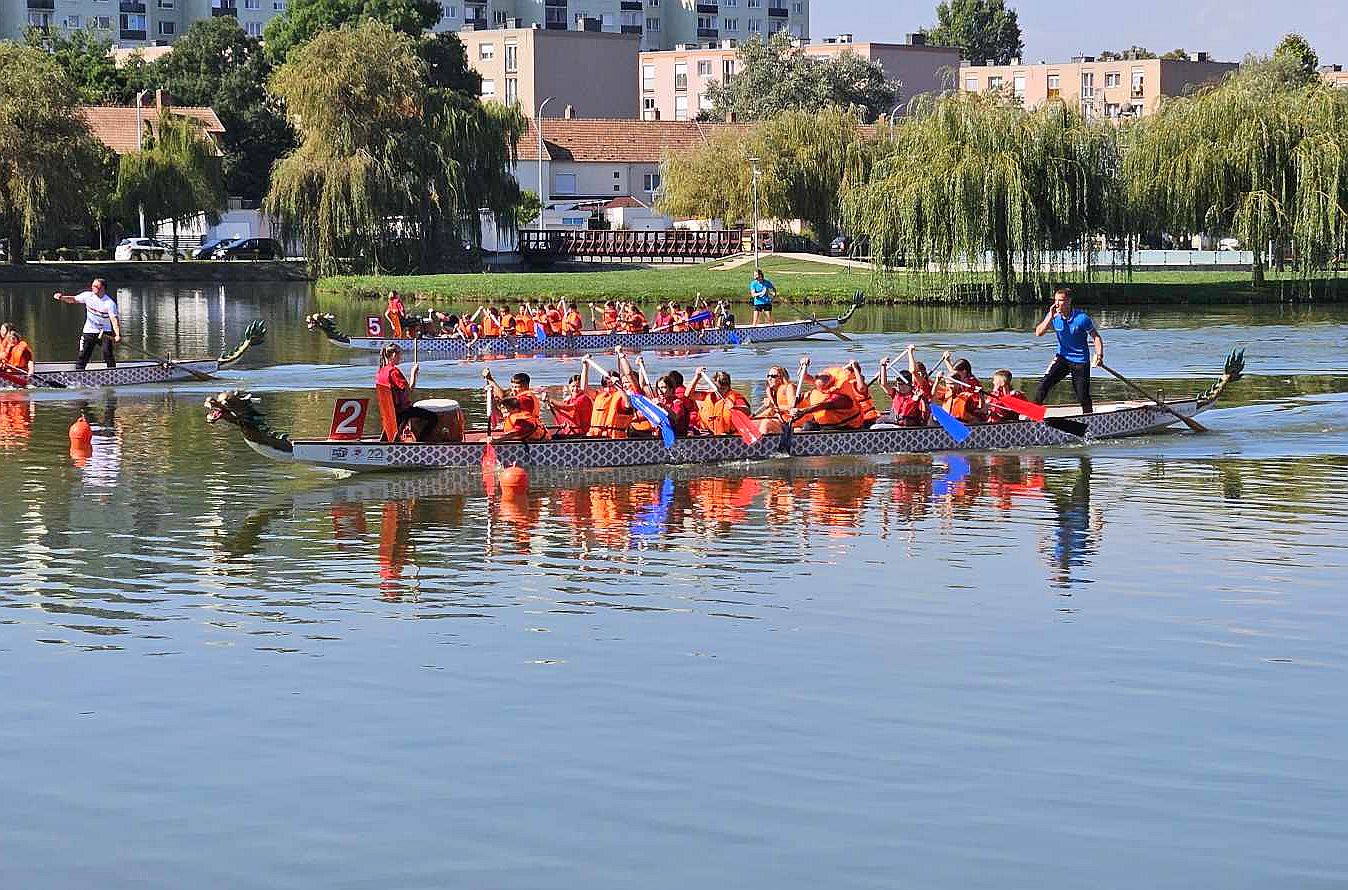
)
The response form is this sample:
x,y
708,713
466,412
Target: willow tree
x,y
1254,157
51,168
175,177
967,176
805,160
387,154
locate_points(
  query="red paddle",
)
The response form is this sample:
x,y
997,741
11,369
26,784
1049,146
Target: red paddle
x,y
748,431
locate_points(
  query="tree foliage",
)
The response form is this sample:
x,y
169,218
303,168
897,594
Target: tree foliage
x,y
216,64
51,168
1294,52
1253,157
805,160
388,152
87,61
1132,52
969,176
984,30
175,177
305,19
774,76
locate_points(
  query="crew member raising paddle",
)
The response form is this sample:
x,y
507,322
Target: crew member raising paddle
x,y
101,323
1072,327
762,292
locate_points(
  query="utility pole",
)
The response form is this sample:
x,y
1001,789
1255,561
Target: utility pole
x,y
140,146
753,165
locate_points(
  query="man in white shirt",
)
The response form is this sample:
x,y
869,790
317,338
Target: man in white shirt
x,y
101,324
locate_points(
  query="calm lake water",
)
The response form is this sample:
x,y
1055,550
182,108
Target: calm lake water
x,y
1118,666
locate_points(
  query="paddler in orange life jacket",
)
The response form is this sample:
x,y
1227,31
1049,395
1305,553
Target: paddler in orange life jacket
x,y
612,412
519,388
464,328
524,322
608,318
16,355
779,400
830,404
964,398
491,323
573,413
640,427
714,410
507,321
571,320
1001,386
860,390
518,424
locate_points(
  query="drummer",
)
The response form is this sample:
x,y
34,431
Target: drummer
x,y
418,420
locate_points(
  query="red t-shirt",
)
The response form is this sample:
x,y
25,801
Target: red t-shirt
x,y
393,378
574,414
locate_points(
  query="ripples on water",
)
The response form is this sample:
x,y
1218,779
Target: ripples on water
x,y
1053,669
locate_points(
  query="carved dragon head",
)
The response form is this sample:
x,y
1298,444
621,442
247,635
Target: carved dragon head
x,y
239,408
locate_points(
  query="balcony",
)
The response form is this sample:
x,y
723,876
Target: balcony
x,y
41,4
631,29
225,9
131,7
132,35
630,6
708,9
708,34
777,12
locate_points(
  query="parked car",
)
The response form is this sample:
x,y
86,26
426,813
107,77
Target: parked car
x,y
845,245
1228,244
142,249
250,249
207,250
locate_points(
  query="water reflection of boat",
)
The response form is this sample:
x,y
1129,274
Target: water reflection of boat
x,y
1111,420
588,341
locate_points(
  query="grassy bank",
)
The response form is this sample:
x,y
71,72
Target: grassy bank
x,y
802,282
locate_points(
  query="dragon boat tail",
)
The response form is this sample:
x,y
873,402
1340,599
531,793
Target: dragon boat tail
x,y
1109,421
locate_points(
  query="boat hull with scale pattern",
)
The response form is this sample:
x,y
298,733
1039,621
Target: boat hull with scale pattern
x,y
128,373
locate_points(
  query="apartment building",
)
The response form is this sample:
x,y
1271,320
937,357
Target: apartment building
x,y
1334,75
673,83
588,72
130,23
659,24
1112,89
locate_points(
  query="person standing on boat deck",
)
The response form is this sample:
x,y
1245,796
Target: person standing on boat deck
x,y
1072,327
101,324
418,420
762,291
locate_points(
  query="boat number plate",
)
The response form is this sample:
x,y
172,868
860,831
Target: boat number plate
x,y
348,419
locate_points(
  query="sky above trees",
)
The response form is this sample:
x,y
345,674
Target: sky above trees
x,y
1055,30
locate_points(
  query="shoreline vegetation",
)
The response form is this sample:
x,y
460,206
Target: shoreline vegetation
x,y
804,283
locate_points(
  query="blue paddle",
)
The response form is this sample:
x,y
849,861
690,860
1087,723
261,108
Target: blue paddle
x,y
658,417
539,334
953,427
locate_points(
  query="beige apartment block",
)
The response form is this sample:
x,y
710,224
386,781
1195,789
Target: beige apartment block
x,y
1114,89
673,83
659,24
1334,75
132,23
588,72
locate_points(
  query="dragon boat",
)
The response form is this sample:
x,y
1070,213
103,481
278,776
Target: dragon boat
x,y
63,375
1109,421
451,347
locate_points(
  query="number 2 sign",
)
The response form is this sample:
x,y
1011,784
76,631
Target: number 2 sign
x,y
374,325
348,419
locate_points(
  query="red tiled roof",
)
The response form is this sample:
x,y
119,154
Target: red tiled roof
x,y
624,201
115,125
613,141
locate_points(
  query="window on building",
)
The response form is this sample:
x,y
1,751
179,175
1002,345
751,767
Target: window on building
x,y
486,52
703,102
798,7
252,4
1018,86
648,108
574,221
731,24
650,182
652,25
554,17
512,59
103,22
1054,90
680,108
1136,109
727,69
754,4
488,88
707,23
680,75
498,17
1087,84
995,82
704,68
168,29
648,78
729,4
131,22
755,26
1113,109
41,19
1113,79
71,23
451,12
652,2
278,5
165,4
564,183
1139,85
253,29
971,84
512,90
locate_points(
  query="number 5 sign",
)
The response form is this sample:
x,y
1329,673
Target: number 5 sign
x,y
348,419
374,325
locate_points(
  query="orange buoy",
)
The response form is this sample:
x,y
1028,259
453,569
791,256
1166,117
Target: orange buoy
x,y
514,478
80,433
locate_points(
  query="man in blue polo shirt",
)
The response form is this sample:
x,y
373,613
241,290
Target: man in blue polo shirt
x,y
761,292
1073,327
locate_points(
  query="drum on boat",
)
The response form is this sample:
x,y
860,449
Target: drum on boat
x,y
449,427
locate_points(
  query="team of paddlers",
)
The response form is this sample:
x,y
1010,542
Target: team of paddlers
x,y
560,319
601,402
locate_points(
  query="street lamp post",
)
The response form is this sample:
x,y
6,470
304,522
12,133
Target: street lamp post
x,y
542,187
140,146
753,162
892,113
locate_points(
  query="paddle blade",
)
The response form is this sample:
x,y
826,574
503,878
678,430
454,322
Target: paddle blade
x,y
655,414
1025,407
489,462
539,333
732,337
1071,427
745,427
953,427
699,317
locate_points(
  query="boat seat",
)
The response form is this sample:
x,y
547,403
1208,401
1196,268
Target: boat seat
x,y
388,415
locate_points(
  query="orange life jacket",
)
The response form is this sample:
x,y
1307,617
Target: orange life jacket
x,y
611,415
512,424
609,319
20,354
680,321
845,418
524,326
507,325
861,396
529,404
636,323
490,326
571,322
715,413
466,328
